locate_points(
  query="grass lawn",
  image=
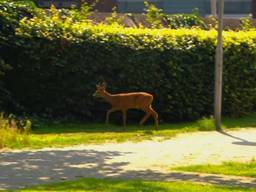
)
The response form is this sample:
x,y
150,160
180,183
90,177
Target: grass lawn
x,y
107,185
227,168
67,134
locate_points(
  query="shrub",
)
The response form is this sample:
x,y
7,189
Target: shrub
x,y
13,132
114,19
184,21
206,124
11,12
246,23
158,19
154,15
80,15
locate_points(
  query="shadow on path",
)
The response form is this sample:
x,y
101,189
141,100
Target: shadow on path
x,y
240,141
21,169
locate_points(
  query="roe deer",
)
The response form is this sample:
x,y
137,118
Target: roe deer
x,y
124,101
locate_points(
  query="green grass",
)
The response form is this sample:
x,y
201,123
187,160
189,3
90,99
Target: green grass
x,y
56,134
11,134
66,134
107,185
247,169
246,121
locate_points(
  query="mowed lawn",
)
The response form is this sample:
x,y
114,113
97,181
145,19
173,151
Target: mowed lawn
x,y
247,169
57,134
107,185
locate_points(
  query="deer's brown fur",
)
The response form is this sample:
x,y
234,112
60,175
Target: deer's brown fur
x,y
124,101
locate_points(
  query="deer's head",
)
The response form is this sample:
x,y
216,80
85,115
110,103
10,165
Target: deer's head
x,y
100,90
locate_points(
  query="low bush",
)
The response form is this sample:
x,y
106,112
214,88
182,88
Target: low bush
x,y
156,18
13,132
206,124
184,21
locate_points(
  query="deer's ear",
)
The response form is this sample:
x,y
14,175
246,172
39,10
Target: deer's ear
x,y
104,85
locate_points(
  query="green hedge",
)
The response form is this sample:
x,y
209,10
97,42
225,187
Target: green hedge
x,y
11,12
58,62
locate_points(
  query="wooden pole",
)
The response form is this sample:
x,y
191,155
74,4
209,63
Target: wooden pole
x,y
219,68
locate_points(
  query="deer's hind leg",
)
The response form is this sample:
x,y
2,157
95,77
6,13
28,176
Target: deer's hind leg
x,y
155,116
150,111
143,120
147,110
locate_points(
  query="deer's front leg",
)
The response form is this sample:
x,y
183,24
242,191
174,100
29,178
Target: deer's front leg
x,y
108,113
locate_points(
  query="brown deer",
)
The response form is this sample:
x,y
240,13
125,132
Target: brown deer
x,y
124,101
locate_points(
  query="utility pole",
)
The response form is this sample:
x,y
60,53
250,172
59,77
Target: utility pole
x,y
214,8
253,9
219,68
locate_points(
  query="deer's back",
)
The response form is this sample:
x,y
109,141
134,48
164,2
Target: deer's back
x,y
138,100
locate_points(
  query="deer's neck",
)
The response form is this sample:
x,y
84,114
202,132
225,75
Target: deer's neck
x,y
108,97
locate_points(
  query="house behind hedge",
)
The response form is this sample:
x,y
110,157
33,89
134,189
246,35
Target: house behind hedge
x,y
232,7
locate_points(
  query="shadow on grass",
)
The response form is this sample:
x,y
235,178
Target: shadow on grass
x,y
243,122
27,168
48,128
103,128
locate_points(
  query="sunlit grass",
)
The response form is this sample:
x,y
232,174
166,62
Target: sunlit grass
x,y
11,135
247,169
73,134
107,185
52,134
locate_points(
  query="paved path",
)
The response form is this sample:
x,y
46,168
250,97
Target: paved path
x,y
150,160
